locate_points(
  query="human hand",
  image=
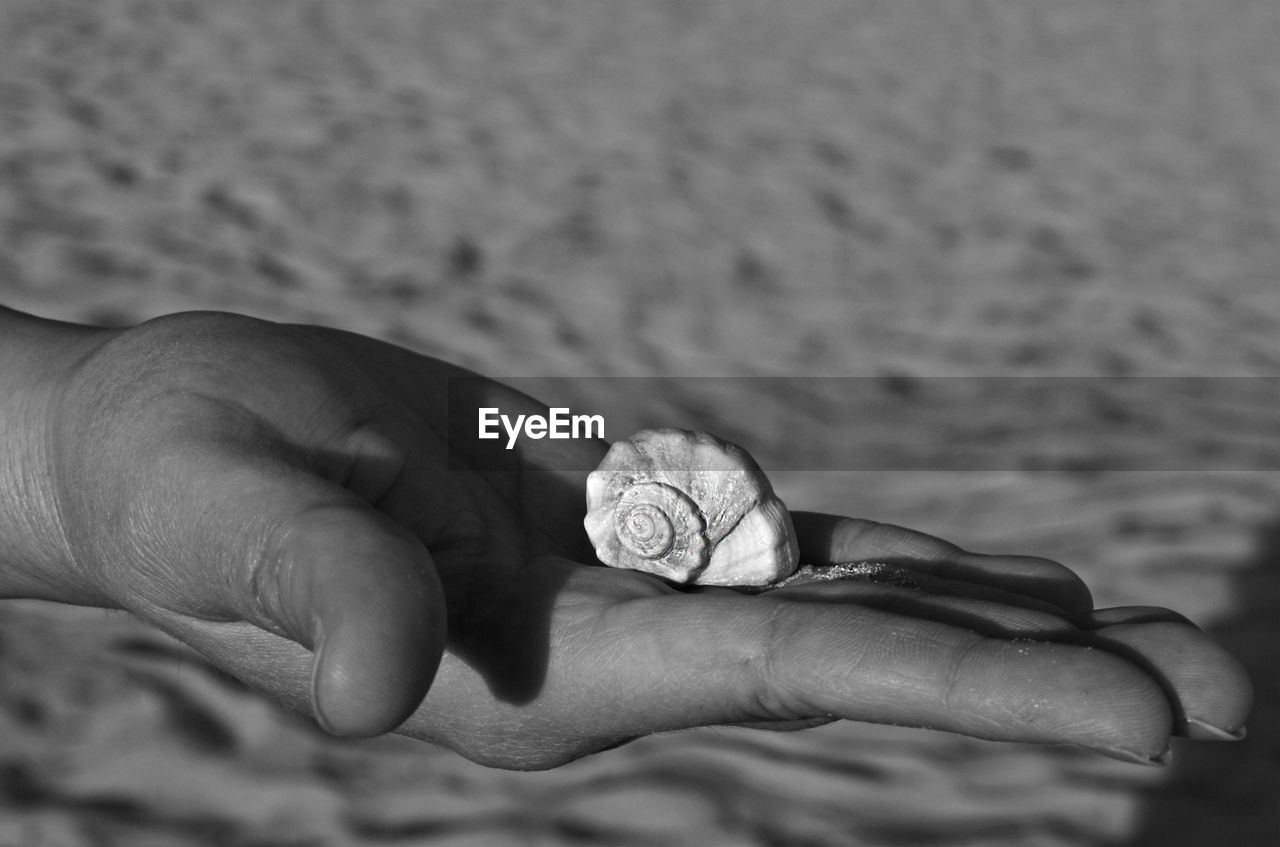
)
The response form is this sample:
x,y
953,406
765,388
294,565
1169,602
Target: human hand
x,y
286,500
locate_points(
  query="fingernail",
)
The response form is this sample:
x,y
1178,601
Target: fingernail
x,y
319,713
316,676
1160,760
1203,731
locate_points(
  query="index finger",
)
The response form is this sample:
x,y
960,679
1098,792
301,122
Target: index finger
x,y
827,539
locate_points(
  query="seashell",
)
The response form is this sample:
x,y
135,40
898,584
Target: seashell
x,y
689,507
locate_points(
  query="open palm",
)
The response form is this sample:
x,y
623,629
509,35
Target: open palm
x,y
288,500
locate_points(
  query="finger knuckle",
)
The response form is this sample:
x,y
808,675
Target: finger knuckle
x,y
270,570
768,696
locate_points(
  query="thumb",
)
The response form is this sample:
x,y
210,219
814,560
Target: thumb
x,y
363,594
220,539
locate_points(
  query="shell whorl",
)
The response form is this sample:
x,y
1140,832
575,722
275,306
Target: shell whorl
x,y
658,526
645,530
691,508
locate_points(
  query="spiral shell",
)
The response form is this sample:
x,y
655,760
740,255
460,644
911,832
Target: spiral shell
x,y
691,508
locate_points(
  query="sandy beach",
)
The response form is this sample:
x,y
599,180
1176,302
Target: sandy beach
x,y
1077,199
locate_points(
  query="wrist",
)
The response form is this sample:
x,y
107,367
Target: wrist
x,y
37,358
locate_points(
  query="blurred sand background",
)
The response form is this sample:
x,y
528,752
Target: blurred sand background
x,y
564,188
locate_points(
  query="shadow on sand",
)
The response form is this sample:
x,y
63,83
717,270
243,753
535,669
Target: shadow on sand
x,y
1226,793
